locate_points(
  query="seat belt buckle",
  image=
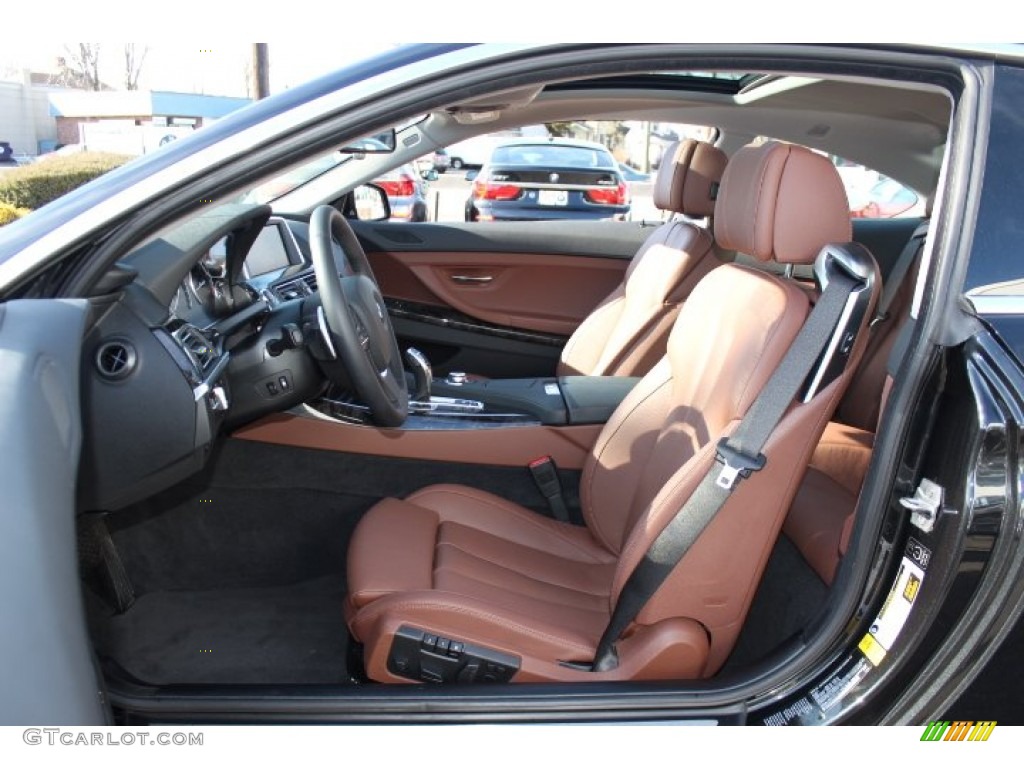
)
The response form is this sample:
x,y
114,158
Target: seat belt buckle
x,y
545,475
736,464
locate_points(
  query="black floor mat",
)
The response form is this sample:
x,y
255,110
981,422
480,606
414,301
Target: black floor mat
x,y
207,559
282,634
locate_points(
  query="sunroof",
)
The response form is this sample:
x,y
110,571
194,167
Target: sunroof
x,y
715,75
709,82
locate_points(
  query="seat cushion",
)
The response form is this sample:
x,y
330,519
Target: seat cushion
x,y
466,562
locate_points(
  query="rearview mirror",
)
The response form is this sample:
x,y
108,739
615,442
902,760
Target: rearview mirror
x,y
378,144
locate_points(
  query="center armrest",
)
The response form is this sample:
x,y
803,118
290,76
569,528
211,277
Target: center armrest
x,y
566,400
593,399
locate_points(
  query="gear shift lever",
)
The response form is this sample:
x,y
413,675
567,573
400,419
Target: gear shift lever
x,y
419,366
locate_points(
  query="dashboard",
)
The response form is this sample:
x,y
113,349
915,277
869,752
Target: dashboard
x,y
276,267
202,328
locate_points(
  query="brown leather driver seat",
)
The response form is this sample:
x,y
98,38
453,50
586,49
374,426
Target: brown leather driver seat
x,y
467,567
626,334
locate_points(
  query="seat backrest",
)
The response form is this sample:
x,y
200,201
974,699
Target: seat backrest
x,y
777,202
626,334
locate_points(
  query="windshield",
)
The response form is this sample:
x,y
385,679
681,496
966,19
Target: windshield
x,y
293,179
279,186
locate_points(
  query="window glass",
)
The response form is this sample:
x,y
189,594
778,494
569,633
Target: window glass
x,y
873,195
551,155
495,177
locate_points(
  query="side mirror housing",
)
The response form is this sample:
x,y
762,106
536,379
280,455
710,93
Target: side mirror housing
x,y
371,203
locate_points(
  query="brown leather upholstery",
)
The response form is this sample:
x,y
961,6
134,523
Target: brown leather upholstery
x,y
689,177
460,563
626,334
828,495
798,199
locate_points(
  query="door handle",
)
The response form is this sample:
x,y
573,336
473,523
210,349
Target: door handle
x,y
472,279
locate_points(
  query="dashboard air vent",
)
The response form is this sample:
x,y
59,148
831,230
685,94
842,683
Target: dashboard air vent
x,y
115,360
196,346
296,288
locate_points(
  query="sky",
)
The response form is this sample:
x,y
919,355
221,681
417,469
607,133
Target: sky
x,y
204,45
201,67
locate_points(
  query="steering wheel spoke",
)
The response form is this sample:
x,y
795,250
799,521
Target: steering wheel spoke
x,y
357,320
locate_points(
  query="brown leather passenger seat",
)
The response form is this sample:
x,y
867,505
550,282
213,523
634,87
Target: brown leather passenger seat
x,y
821,517
626,333
453,564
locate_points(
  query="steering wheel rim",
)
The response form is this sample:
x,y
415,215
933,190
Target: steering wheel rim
x,y
357,321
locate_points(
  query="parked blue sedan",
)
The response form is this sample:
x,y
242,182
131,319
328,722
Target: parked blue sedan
x,y
537,179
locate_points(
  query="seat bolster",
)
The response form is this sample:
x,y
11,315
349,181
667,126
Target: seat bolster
x,y
843,453
820,513
392,550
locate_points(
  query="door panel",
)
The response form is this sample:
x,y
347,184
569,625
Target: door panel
x,y
536,292
498,299
610,239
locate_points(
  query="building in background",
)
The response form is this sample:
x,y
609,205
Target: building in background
x,y
37,117
25,119
133,122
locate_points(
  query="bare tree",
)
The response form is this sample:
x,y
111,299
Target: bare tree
x,y
560,128
133,61
80,66
247,74
10,70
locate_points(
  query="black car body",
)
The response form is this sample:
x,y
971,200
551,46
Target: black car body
x,y
151,344
538,180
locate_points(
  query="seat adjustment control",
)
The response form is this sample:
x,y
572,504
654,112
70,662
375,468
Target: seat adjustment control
x,y
419,655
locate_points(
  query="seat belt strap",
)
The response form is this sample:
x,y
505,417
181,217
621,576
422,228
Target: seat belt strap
x,y
899,273
738,456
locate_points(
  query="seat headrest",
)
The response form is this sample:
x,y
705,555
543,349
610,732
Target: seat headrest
x,y
782,202
688,178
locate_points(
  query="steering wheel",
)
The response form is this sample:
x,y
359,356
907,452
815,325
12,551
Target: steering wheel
x,y
357,321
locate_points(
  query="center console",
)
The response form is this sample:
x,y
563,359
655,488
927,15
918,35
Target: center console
x,y
461,418
461,402
553,401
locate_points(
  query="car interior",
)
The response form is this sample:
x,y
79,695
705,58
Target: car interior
x,y
325,450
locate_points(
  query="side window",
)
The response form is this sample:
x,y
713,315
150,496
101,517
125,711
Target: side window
x,y
577,169
874,195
